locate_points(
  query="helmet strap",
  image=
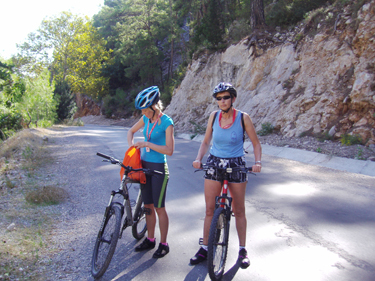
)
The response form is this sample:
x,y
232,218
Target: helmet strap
x,y
226,111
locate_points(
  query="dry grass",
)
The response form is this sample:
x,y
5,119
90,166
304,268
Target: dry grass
x,y
46,195
26,219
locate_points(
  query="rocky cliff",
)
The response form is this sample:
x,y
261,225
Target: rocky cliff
x,y
302,82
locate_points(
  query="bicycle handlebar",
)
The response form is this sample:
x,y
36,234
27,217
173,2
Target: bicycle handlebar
x,y
128,168
103,155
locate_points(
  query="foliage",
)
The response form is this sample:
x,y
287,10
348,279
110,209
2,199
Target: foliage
x,y
38,103
198,129
290,12
78,53
347,139
119,104
66,103
11,91
267,128
10,122
211,30
5,75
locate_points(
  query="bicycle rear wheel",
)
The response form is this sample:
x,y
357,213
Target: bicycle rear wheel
x,y
139,227
106,242
218,244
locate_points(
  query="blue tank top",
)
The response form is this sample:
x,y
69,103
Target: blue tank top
x,y
227,143
157,137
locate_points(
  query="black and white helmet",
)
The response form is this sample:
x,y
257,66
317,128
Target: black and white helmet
x,y
224,87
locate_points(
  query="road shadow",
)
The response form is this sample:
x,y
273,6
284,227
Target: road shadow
x,y
229,275
199,272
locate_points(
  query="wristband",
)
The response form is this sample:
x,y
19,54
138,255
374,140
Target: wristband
x,y
258,162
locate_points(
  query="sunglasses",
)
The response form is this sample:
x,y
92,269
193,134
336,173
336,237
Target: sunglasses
x,y
225,97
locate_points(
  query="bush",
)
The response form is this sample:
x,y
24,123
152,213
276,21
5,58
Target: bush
x,y
267,128
46,195
350,139
9,123
287,12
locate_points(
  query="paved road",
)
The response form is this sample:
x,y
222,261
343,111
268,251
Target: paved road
x,y
305,222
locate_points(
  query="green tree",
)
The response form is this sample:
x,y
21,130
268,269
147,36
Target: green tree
x,y
38,105
72,49
212,27
142,34
11,92
66,101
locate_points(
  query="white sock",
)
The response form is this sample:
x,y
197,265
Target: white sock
x,y
205,247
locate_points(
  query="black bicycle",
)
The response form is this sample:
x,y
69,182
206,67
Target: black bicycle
x,y
114,221
218,237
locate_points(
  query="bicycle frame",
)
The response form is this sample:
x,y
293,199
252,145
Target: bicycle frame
x,y
224,200
124,206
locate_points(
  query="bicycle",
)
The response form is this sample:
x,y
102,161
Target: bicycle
x,y
113,223
218,237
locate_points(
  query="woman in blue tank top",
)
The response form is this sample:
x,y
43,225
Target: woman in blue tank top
x,y
158,131
225,130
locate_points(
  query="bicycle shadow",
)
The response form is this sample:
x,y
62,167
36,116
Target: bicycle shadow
x,y
199,272
129,275
125,263
229,275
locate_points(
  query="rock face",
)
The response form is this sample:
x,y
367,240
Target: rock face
x,y
318,84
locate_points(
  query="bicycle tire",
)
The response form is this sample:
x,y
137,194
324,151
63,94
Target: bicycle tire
x,y
218,244
105,244
139,227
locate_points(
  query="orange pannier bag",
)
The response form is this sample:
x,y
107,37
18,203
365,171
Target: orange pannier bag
x,y
133,159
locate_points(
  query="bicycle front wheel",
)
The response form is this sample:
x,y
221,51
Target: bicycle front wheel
x,y
106,242
218,244
139,227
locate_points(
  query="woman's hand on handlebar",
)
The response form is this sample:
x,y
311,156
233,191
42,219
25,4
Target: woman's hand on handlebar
x,y
197,164
256,168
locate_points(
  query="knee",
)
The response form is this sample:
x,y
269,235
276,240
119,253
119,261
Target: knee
x,y
210,212
160,211
239,212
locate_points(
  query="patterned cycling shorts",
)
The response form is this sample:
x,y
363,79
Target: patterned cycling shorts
x,y
218,175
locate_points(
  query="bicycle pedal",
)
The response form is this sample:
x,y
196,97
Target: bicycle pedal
x,y
200,241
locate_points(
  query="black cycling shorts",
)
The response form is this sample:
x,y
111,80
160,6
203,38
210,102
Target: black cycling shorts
x,y
155,189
